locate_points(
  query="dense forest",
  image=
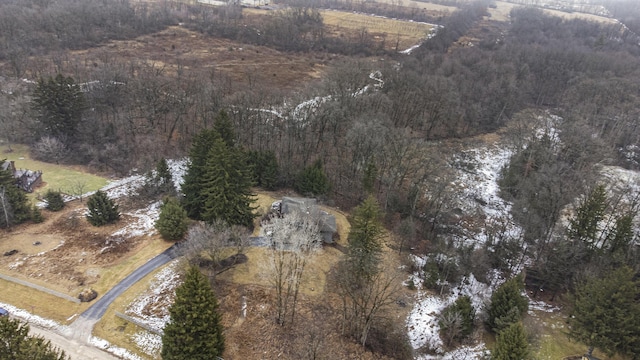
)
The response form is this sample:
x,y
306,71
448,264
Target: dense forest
x,y
382,127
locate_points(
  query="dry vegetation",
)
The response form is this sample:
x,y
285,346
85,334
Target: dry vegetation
x,y
73,255
502,9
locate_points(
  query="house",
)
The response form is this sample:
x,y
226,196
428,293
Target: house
x,y
326,222
26,180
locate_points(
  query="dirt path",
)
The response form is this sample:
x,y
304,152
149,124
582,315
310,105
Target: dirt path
x,y
76,350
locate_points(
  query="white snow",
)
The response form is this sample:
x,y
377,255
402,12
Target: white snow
x,y
144,224
164,282
148,342
36,320
115,350
422,323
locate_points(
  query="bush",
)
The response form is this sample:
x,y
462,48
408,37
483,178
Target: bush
x,y
173,222
456,321
54,200
102,210
36,215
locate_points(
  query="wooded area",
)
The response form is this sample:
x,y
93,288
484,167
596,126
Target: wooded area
x,y
376,132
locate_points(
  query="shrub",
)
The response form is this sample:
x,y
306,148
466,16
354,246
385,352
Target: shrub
x,y
456,320
507,304
173,222
312,180
54,200
102,210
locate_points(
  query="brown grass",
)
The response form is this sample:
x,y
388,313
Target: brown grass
x,y
501,13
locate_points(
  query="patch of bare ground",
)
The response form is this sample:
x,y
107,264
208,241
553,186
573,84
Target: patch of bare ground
x,y
72,254
176,50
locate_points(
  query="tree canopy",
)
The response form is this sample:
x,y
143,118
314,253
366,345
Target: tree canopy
x,y
16,344
194,331
59,103
102,210
606,313
507,304
173,222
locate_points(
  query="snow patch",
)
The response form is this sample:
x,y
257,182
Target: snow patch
x,y
144,224
35,320
115,350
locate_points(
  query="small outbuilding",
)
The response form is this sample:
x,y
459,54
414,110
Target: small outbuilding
x,y
326,222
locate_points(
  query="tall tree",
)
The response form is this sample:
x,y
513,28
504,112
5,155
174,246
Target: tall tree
x,y
507,304
192,200
226,187
606,313
16,344
194,330
365,238
59,102
366,288
585,226
511,344
224,127
102,210
14,205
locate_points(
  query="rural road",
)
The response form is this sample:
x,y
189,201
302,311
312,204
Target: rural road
x,y
74,340
74,349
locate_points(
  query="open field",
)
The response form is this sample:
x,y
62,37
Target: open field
x,y
502,9
177,47
404,33
431,7
393,32
56,177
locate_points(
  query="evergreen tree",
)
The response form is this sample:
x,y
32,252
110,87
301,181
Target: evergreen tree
x,y
36,215
463,311
54,200
194,331
226,187
365,238
312,180
16,344
606,313
511,344
102,210
173,222
59,103
192,200
507,304
585,225
224,127
369,179
14,205
163,174
265,168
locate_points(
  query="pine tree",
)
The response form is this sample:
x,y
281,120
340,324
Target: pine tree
x,y
59,103
194,331
36,215
369,178
102,210
606,313
265,168
173,222
163,174
14,205
312,180
507,304
16,344
224,127
54,200
226,187
511,344
463,310
585,225
365,238
192,200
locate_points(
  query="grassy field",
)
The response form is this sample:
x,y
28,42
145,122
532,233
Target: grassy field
x,y
341,23
502,9
56,177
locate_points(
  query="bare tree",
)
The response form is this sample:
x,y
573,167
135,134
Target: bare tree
x,y
78,188
294,237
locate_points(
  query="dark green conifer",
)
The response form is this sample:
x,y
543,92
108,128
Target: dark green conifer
x,y
511,344
226,187
173,222
54,200
312,180
508,305
102,210
194,331
192,200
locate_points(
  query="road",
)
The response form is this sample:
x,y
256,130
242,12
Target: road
x,y
73,348
75,340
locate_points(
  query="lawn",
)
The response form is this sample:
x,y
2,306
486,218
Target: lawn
x,y
56,177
